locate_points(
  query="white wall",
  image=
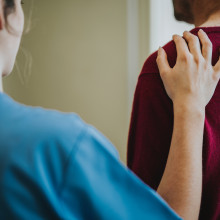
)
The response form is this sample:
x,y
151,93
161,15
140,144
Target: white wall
x,y
138,21
163,24
133,47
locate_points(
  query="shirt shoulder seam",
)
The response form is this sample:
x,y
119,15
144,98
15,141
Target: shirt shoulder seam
x,y
74,150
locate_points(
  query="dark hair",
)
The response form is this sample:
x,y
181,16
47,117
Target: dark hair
x,y
9,7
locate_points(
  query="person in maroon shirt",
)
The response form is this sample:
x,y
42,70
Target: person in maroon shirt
x,y
151,123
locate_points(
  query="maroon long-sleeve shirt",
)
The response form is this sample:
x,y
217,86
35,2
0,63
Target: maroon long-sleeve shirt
x,y
152,125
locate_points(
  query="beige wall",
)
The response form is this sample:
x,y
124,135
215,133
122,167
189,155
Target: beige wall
x,y
79,52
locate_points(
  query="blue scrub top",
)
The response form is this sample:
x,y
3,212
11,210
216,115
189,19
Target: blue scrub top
x,y
55,166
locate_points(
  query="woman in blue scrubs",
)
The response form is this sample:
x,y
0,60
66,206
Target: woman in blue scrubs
x,y
55,166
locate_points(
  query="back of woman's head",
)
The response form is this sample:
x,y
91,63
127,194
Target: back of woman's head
x,y
8,7
11,29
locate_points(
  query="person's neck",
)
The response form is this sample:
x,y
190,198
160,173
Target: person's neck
x,y
1,76
1,87
212,21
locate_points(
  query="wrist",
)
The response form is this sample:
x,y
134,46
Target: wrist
x,y
189,107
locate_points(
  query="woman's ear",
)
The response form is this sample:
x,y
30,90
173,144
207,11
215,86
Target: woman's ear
x,y
1,15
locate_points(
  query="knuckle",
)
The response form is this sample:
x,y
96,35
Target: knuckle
x,y
208,44
205,66
184,57
200,61
185,33
158,59
177,38
163,72
197,59
194,39
216,76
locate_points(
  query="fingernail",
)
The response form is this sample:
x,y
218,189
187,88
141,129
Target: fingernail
x,y
201,31
176,35
159,50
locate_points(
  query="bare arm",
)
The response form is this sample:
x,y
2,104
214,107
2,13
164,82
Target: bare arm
x,y
181,185
190,85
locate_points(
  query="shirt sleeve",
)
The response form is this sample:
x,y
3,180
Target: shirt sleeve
x,y
97,186
151,129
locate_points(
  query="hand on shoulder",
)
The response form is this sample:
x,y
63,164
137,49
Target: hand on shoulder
x,y
193,79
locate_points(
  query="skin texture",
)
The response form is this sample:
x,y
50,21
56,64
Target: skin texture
x,y
10,40
198,12
190,85
183,172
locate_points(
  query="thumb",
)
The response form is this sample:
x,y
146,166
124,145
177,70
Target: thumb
x,y
162,62
217,69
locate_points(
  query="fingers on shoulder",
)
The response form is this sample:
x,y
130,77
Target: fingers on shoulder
x,y
181,47
193,44
206,45
217,70
162,61
206,42
190,38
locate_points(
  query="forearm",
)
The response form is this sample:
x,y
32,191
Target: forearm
x,y
181,184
